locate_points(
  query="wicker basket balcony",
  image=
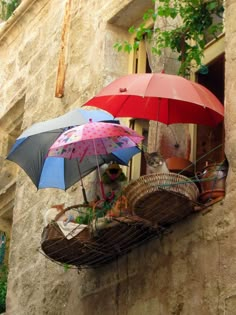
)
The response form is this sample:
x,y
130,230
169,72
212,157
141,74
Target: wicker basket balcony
x,y
94,249
156,201
162,198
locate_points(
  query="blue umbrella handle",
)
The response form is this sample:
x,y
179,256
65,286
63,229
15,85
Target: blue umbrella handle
x,y
82,184
84,195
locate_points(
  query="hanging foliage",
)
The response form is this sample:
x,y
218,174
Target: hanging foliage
x,y
7,8
3,273
3,287
198,20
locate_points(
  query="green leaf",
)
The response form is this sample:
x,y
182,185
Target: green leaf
x,y
212,5
131,30
8,7
128,47
155,50
3,287
154,17
148,14
118,46
197,18
136,44
173,13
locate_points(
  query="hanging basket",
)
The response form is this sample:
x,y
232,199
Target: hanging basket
x,y
162,198
56,246
94,247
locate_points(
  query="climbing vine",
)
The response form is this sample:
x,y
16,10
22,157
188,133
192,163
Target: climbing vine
x,y
3,287
7,8
188,39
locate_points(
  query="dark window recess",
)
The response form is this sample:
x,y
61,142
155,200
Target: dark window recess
x,y
148,68
210,141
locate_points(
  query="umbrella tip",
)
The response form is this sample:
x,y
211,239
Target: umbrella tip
x,y
122,90
163,68
90,120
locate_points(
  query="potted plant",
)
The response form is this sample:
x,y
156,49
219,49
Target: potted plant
x,y
212,181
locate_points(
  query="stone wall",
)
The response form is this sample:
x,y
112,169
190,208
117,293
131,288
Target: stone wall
x,y
191,270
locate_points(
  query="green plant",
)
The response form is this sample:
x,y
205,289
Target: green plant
x,y
8,7
188,39
85,217
98,210
66,267
3,287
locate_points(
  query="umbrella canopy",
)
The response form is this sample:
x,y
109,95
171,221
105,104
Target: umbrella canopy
x,y
162,97
73,118
94,138
52,172
31,148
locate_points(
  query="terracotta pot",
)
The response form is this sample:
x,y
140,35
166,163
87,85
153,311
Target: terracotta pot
x,y
180,165
212,182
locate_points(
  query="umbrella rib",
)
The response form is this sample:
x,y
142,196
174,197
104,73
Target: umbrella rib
x,y
127,96
121,106
148,85
45,157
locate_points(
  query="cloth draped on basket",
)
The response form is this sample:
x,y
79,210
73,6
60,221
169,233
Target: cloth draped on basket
x,y
71,229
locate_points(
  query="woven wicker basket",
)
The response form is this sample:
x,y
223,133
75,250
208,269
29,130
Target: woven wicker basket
x,y
89,249
56,246
162,198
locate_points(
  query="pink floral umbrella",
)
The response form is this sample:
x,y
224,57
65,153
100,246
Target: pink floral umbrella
x,y
94,138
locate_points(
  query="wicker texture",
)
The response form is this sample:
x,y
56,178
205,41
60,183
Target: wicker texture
x,y
162,198
157,200
94,249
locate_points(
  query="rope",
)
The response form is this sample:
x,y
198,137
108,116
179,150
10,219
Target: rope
x,y
204,155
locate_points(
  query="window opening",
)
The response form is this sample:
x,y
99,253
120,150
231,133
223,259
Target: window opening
x,y
203,138
210,141
138,163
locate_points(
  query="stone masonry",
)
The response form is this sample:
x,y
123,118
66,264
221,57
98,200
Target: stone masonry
x,y
192,269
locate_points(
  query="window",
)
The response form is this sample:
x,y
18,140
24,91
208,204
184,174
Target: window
x,y
139,63
208,142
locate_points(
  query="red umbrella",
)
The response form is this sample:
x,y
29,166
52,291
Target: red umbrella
x,y
162,97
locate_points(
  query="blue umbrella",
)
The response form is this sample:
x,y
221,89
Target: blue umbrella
x,y
53,171
75,117
31,148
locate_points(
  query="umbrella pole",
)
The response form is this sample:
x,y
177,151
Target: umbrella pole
x,y
82,185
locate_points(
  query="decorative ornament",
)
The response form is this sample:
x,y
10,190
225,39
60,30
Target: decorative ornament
x,y
113,173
